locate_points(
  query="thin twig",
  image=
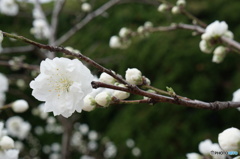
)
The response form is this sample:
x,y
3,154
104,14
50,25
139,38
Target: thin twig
x,y
18,49
21,65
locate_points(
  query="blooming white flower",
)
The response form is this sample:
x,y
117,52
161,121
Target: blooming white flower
x,y
219,54
106,78
104,99
89,103
9,7
194,155
16,127
217,28
229,139
162,7
40,29
9,154
205,147
115,42
133,76
86,7
6,143
62,84
20,106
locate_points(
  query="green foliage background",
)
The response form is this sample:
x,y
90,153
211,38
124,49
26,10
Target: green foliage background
x,y
168,59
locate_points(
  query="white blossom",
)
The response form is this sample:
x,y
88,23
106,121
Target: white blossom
x,y
229,139
106,78
16,127
236,96
124,32
194,155
86,7
84,128
181,3
228,34
40,29
133,76
205,147
93,135
175,10
9,7
130,143
9,154
205,46
217,28
20,106
62,84
103,99
6,143
136,152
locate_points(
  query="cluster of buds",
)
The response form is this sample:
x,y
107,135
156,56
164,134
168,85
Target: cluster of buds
x,y
121,41
210,38
164,7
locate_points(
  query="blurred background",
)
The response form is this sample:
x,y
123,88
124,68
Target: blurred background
x,y
167,58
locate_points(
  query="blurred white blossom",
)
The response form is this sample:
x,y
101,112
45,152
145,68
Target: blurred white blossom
x,y
9,7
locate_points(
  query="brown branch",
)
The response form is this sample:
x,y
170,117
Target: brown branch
x,y
85,21
173,100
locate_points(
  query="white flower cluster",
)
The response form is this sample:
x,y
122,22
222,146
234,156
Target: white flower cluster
x,y
17,127
40,29
3,88
214,31
62,84
135,150
7,145
205,147
9,7
53,150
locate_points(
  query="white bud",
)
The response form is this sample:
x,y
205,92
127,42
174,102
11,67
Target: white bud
x,y
89,103
236,96
20,106
140,29
106,78
205,46
1,36
121,94
194,155
228,34
86,7
6,142
229,139
205,147
124,32
103,99
162,7
148,24
134,76
175,10
181,3
136,152
219,54
115,42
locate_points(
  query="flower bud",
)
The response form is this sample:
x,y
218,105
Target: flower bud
x,y
1,36
205,147
163,7
236,96
148,25
193,155
229,139
140,29
121,94
115,42
205,46
124,32
175,10
106,78
89,103
134,76
20,106
181,3
206,36
103,99
219,54
6,142
228,34
86,7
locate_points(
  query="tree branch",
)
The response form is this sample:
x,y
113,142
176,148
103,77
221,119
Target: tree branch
x,y
86,20
19,49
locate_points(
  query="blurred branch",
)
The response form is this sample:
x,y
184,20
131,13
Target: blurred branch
x,y
54,21
21,65
156,98
86,20
19,49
